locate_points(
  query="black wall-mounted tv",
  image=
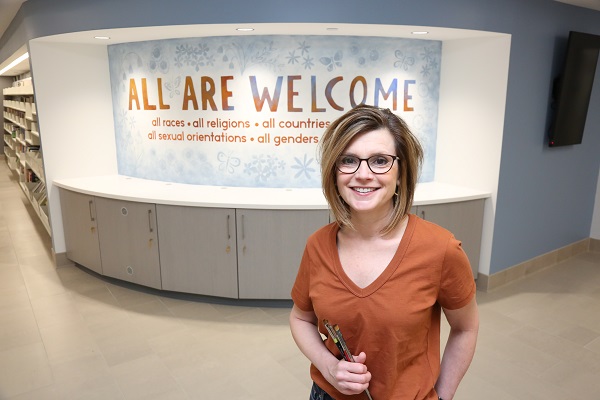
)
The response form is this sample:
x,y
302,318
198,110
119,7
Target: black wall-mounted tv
x,y
572,90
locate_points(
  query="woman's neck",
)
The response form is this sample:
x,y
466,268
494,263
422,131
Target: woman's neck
x,y
369,227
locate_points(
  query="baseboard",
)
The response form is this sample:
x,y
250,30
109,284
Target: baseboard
x,y
487,283
595,245
60,259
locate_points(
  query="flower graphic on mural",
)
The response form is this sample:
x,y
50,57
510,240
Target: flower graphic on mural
x,y
403,61
303,47
227,162
332,62
122,118
193,56
203,49
182,54
173,87
303,166
210,59
308,62
424,90
132,63
426,70
157,62
292,57
429,54
225,57
434,64
131,121
251,54
263,167
363,56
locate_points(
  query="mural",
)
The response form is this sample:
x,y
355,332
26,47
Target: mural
x,y
250,110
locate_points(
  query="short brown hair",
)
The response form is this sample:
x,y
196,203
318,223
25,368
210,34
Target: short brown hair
x,y
338,136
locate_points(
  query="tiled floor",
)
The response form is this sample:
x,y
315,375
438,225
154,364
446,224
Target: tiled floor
x,y
66,334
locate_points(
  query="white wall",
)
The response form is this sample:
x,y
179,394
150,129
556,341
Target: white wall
x,y
72,90
471,120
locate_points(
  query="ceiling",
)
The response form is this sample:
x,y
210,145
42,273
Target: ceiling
x,y
9,8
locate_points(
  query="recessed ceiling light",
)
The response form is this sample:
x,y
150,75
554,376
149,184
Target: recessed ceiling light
x,y
244,29
102,37
419,32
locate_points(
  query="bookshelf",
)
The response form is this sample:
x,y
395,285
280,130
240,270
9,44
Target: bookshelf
x,y
22,145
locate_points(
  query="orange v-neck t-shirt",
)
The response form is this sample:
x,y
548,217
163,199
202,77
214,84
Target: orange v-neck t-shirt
x,y
396,319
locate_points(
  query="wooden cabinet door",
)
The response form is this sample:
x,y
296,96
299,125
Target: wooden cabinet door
x,y
198,250
270,247
129,241
81,229
464,219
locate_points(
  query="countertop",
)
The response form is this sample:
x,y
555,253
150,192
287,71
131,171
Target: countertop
x,y
141,190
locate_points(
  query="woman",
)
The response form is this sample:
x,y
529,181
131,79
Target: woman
x,y
381,275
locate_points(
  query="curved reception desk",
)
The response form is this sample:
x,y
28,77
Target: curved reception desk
x,y
228,242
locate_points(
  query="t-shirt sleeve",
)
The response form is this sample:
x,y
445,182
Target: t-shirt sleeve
x,y
300,290
457,285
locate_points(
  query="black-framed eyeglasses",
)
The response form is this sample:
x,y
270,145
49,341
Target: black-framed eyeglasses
x,y
378,163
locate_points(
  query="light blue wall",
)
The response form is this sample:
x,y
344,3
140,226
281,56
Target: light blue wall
x,y
546,196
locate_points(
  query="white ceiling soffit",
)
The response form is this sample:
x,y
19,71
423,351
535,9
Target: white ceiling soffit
x,y
122,35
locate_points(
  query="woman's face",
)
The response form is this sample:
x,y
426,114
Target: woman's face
x,y
365,192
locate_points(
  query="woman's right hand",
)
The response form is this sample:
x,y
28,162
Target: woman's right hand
x,y
347,377
350,377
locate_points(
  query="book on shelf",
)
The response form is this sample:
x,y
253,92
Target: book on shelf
x,y
31,176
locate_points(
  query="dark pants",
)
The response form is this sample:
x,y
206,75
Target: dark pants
x,y
316,393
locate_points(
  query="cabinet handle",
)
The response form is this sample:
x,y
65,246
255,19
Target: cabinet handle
x,y
228,232
91,215
150,220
